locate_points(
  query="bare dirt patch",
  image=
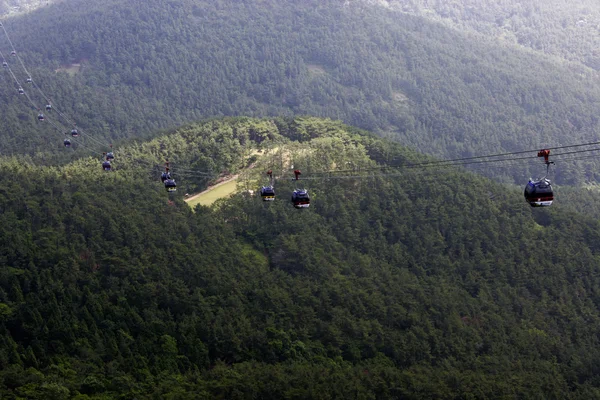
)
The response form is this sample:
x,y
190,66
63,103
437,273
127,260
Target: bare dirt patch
x,y
71,69
316,69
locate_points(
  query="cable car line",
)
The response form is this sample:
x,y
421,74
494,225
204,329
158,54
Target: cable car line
x,y
426,165
26,94
537,192
41,117
506,161
541,196
195,172
458,161
79,143
49,102
514,153
14,50
6,65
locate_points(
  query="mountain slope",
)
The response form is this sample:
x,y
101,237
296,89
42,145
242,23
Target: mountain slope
x,y
405,285
569,31
148,65
8,7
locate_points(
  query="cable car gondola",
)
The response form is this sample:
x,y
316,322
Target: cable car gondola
x,y
300,198
29,80
41,116
74,132
48,107
170,185
168,180
110,155
13,53
267,193
106,163
21,91
538,193
67,143
5,64
165,176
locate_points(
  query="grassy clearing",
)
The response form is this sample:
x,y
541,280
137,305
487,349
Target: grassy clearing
x,y
71,70
217,192
316,69
228,187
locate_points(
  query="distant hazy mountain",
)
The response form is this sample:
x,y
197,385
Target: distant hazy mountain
x,y
12,7
568,29
141,66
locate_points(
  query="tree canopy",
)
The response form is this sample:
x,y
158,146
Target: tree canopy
x,y
411,285
143,66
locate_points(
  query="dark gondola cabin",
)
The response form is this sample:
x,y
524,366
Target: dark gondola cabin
x,y
41,116
106,165
165,176
170,185
267,193
539,193
5,64
29,80
300,198
67,143
110,156
48,107
21,91
75,133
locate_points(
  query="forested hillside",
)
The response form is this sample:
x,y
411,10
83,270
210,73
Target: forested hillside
x,y
412,285
570,30
10,7
148,65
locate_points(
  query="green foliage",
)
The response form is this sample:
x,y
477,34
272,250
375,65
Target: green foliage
x,y
149,65
398,284
543,25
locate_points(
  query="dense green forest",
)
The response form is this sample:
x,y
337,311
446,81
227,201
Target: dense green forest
x,y
412,284
569,30
149,65
397,282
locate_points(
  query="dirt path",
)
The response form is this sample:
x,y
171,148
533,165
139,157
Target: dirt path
x,y
231,178
223,182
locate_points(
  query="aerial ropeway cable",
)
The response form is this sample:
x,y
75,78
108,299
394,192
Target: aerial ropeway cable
x,y
495,158
6,66
41,116
538,192
49,107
